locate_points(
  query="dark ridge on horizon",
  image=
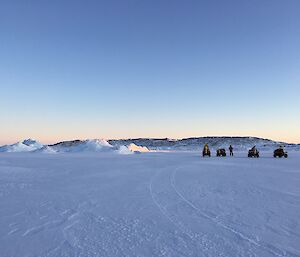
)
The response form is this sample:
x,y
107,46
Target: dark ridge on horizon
x,y
174,140
201,137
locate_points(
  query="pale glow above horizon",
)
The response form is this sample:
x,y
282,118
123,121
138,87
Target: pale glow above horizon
x,y
49,136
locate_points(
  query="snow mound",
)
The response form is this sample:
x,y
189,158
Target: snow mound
x,y
46,149
27,145
136,148
33,143
94,145
132,149
124,150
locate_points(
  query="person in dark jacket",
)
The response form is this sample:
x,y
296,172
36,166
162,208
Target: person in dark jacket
x,y
231,150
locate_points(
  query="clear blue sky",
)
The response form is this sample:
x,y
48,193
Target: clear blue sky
x,y
118,69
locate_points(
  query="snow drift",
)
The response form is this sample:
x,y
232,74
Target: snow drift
x,y
45,149
27,145
124,150
95,145
32,143
132,148
135,148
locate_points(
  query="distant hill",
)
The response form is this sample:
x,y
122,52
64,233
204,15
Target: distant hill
x,y
196,143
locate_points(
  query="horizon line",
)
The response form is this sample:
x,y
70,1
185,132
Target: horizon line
x,y
159,138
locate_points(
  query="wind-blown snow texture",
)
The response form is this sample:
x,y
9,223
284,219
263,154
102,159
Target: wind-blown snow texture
x,y
154,204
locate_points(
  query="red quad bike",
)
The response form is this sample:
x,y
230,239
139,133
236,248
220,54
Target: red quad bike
x,y
280,153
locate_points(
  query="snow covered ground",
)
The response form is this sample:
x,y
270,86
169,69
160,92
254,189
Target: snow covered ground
x,y
151,204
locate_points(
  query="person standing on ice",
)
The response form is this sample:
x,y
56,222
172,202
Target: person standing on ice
x,y
231,150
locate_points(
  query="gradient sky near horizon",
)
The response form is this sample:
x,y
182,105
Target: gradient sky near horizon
x,y
137,68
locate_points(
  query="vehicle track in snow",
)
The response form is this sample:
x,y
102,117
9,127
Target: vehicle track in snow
x,y
163,210
275,251
200,242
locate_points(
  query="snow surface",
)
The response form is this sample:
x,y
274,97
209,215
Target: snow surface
x,y
154,204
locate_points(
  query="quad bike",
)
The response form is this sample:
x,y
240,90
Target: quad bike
x,y
253,153
206,151
221,152
280,153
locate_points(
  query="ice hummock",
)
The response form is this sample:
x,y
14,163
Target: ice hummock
x,y
132,148
124,150
26,145
32,143
136,148
46,149
94,145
